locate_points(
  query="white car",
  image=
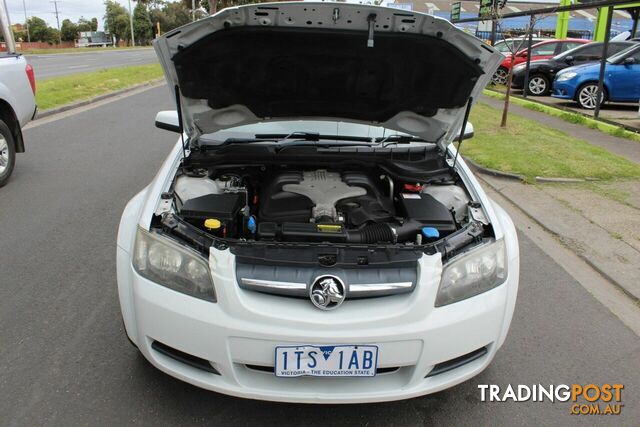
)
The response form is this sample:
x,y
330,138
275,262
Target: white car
x,y
17,101
316,239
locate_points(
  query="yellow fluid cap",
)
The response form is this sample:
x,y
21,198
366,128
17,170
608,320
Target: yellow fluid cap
x,y
329,228
212,224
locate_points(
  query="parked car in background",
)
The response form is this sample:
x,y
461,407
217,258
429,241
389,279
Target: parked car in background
x,y
543,50
621,80
505,46
543,71
17,102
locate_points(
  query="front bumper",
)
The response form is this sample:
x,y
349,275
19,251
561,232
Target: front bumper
x,y
564,90
517,80
238,335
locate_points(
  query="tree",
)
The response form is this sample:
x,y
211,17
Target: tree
x,y
39,30
19,36
123,28
170,15
53,36
142,26
153,4
216,5
213,6
68,30
116,20
84,25
94,24
494,14
175,13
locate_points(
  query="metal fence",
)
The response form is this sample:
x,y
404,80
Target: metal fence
x,y
576,34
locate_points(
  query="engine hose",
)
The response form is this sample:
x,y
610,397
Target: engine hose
x,y
407,230
384,232
373,233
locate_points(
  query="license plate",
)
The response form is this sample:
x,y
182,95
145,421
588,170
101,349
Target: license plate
x,y
326,361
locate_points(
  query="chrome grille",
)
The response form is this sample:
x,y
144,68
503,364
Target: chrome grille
x,y
295,281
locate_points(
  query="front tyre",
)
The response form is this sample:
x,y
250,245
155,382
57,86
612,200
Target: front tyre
x,y
7,153
538,85
587,95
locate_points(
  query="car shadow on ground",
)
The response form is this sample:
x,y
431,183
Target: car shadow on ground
x,y
561,103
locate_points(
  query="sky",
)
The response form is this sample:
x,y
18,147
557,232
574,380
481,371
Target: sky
x,y
74,9
68,9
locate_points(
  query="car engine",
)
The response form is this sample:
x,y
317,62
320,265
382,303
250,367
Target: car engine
x,y
319,205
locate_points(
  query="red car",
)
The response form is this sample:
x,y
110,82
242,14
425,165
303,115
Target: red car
x,y
542,50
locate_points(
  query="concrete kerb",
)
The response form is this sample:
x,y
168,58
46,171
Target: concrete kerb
x,y
517,177
544,226
528,102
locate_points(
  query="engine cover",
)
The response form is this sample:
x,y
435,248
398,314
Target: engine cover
x,y
277,205
324,189
324,196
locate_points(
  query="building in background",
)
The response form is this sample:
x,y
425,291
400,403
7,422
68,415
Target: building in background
x,y
94,39
582,23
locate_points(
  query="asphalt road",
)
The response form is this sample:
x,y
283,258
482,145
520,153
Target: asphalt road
x,y
64,359
60,64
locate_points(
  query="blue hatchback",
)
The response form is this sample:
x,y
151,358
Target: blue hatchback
x,y
621,80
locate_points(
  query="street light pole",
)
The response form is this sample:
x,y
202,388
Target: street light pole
x,y
603,63
133,40
532,21
26,21
55,5
5,27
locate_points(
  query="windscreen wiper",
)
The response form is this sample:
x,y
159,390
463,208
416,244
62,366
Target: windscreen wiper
x,y
312,136
295,137
245,141
285,139
397,139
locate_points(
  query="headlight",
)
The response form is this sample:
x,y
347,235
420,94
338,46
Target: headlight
x,y
566,76
169,264
473,273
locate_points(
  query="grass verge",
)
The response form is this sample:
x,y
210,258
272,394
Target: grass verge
x,y
59,91
54,51
528,148
568,116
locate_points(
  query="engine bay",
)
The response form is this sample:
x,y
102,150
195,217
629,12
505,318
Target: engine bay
x,y
279,204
